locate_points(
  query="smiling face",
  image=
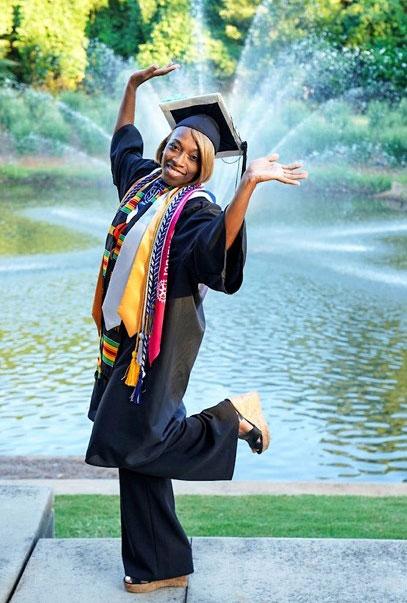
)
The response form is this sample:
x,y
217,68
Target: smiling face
x,y
181,159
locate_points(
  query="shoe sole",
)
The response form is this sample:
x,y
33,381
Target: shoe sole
x,y
155,584
249,406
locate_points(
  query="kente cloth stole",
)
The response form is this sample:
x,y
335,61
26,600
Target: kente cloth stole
x,y
135,200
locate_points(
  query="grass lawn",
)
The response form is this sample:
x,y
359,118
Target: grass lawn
x,y
336,177
23,188
345,179
25,236
55,175
311,516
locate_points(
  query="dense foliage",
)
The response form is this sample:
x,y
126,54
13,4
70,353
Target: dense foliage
x,y
47,41
44,42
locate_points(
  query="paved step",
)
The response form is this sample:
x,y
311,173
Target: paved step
x,y
26,515
76,570
231,570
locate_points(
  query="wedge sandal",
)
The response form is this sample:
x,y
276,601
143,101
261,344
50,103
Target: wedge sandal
x,y
248,407
145,586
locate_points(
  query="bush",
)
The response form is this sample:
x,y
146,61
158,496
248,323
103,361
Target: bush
x,y
388,127
343,178
40,123
334,131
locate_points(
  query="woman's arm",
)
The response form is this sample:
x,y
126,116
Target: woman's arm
x,y
128,105
259,170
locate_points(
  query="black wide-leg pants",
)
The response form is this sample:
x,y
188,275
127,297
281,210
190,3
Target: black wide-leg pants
x,y
154,544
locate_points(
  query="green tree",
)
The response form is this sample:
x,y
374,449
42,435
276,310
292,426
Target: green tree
x,y
119,25
231,20
174,33
6,26
50,41
6,30
349,23
171,34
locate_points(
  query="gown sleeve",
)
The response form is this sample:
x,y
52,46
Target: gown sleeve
x,y
203,233
126,157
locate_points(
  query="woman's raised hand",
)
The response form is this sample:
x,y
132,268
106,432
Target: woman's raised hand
x,y
139,77
128,105
267,168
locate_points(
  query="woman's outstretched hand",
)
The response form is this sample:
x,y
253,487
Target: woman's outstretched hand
x,y
139,77
259,170
128,105
267,168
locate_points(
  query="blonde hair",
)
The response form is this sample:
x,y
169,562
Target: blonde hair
x,y
206,155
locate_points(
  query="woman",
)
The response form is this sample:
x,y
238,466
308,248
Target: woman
x,y
146,354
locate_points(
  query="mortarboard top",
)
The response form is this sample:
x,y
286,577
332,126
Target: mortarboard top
x,y
226,140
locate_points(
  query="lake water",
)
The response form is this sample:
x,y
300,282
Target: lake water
x,y
318,328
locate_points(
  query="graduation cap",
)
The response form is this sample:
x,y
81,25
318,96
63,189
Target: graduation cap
x,y
207,114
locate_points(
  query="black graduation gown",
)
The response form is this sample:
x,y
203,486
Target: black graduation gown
x,y
130,435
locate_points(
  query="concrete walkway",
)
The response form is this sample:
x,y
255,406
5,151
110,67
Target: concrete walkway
x,y
230,570
232,488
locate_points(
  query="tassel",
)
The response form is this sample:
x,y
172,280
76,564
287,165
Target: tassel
x,y
243,146
139,349
149,325
136,395
133,371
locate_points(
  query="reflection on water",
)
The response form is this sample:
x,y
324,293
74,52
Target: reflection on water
x,y
319,328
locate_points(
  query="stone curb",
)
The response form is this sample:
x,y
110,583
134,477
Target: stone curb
x,y
230,488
